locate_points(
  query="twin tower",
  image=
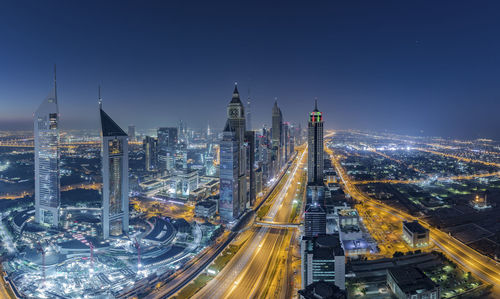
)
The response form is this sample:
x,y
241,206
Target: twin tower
x,y
114,160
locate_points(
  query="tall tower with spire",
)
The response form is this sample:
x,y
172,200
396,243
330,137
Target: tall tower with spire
x,y
114,163
233,176
315,163
47,156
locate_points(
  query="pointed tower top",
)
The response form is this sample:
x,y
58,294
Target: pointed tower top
x,y
236,94
315,105
100,99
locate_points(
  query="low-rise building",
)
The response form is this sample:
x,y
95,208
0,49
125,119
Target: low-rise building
x,y
205,209
322,290
415,234
411,283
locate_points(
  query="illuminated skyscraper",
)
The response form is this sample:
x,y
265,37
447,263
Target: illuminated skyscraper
x,y
315,147
150,147
277,138
168,139
233,170
229,206
114,162
47,180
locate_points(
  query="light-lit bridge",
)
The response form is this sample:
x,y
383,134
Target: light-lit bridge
x,y
277,224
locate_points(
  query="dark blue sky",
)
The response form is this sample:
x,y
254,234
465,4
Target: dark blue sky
x,y
431,66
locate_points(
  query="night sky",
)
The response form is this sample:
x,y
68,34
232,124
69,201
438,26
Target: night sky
x,y
431,67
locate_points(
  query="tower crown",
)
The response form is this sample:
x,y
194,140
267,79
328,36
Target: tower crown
x,y
236,95
315,116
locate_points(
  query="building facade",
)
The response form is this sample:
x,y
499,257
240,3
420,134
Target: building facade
x,y
150,147
411,283
277,138
235,173
415,234
315,163
114,162
47,156
322,259
167,145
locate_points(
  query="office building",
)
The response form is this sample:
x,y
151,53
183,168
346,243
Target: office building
x,y
114,162
150,147
277,138
205,208
131,132
415,234
411,283
47,155
233,171
167,145
315,147
314,220
322,259
250,166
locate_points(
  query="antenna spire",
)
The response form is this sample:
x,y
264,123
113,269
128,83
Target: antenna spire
x,y
316,104
100,99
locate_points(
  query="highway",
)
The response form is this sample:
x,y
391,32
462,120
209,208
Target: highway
x,y
251,272
476,263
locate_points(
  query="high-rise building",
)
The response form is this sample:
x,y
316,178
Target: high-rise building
x,y
47,155
249,114
114,155
277,137
233,173
167,145
131,132
250,165
150,147
314,220
315,147
229,207
323,259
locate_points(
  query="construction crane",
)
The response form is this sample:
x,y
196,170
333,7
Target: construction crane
x,y
40,249
137,245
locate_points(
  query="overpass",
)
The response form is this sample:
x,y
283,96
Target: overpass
x,y
277,224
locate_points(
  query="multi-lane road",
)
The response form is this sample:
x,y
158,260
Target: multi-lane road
x,y
260,268
480,265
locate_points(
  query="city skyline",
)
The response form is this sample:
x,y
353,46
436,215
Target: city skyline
x,y
443,70
357,155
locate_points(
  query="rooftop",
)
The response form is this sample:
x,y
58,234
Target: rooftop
x,y
415,227
109,127
411,279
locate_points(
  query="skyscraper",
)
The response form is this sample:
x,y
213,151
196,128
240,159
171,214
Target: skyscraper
x,y
150,147
276,141
131,132
114,155
47,155
315,147
233,173
168,139
229,206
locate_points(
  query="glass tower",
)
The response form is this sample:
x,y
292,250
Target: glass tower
x,y
315,144
47,155
114,155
